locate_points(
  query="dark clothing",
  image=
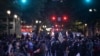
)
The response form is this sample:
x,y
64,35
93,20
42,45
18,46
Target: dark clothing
x,y
53,48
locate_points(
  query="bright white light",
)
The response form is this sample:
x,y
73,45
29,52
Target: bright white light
x,y
8,12
36,21
44,26
90,10
15,16
85,24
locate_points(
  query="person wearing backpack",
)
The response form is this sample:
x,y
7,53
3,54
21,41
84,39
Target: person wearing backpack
x,y
30,48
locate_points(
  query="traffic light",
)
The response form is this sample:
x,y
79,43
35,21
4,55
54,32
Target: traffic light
x,y
65,18
53,18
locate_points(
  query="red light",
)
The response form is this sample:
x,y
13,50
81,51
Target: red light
x,y
65,18
53,18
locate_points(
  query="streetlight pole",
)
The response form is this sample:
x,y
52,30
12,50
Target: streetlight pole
x,y
8,30
37,26
92,23
15,18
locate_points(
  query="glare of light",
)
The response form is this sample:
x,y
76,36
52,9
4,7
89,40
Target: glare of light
x,y
85,24
15,16
23,1
53,18
65,18
44,26
90,10
88,1
8,12
36,21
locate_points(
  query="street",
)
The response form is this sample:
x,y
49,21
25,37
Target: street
x,y
49,27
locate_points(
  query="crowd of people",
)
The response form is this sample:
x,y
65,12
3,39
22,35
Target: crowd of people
x,y
50,46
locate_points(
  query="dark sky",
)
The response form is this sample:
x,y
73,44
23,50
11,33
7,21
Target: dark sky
x,y
75,9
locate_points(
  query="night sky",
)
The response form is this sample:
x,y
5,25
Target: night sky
x,y
75,9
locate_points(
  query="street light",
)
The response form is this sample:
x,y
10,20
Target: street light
x,y
8,12
36,21
85,24
37,26
90,10
44,26
15,16
91,25
8,30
